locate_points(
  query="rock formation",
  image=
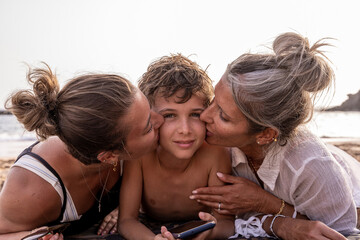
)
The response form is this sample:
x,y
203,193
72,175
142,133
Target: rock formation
x,y
351,104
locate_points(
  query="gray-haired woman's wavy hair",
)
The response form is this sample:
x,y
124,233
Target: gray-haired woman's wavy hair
x,y
277,90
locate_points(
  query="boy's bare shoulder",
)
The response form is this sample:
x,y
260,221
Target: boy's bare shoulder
x,y
213,153
148,158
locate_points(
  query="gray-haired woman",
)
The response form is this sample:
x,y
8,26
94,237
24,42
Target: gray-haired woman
x,y
283,171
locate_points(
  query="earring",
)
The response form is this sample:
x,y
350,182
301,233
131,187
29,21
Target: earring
x,y
115,165
258,142
275,139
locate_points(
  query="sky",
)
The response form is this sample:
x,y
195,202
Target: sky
x,y
124,36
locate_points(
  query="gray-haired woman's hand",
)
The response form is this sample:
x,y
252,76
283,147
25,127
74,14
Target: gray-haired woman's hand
x,y
240,196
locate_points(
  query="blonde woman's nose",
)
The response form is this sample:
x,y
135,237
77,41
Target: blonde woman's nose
x,y
156,119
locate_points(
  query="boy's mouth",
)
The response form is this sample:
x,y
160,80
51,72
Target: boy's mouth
x,y
185,144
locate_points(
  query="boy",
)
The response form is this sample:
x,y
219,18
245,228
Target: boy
x,y
161,182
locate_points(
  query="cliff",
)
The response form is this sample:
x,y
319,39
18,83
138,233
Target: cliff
x,y
351,104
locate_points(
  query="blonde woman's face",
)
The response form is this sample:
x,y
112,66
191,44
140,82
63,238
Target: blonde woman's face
x,y
144,124
226,125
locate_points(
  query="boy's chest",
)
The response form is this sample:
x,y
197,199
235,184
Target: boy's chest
x,y
167,197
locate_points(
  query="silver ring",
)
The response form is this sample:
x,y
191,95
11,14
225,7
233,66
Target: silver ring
x,y
219,206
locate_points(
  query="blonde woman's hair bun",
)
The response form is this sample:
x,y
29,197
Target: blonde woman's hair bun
x,y
36,109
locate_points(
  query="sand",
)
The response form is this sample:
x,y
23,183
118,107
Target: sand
x,y
5,164
351,146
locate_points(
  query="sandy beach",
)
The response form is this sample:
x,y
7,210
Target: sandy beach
x,y
8,153
12,149
351,146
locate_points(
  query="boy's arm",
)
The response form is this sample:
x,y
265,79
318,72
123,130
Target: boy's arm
x,y
225,223
130,200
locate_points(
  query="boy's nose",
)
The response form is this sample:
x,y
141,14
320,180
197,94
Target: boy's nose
x,y
184,127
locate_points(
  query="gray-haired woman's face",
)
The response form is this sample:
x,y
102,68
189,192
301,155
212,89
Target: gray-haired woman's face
x,y
225,123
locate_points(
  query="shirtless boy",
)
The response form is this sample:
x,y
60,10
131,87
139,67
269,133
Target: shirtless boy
x,y
161,182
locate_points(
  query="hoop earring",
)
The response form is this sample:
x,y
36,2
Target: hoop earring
x,y
115,165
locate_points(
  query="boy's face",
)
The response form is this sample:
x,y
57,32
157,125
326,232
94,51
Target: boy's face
x,y
182,132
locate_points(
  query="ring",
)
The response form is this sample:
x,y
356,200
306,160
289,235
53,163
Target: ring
x,y
219,206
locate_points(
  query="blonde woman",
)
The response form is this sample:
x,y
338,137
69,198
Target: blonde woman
x,y
74,173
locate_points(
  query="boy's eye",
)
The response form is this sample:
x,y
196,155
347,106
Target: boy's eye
x,y
169,115
197,115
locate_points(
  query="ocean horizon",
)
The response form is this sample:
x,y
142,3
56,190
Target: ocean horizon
x,y
332,125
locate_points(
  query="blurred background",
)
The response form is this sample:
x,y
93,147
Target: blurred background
x,y
123,37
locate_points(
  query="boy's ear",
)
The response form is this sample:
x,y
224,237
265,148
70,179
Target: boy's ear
x,y
267,136
107,157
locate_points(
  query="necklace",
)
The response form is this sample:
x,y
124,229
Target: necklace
x,y
254,170
102,191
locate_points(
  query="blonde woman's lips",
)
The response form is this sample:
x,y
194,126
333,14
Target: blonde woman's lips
x,y
157,136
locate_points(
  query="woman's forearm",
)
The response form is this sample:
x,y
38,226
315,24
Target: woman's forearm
x,y
276,206
289,228
14,236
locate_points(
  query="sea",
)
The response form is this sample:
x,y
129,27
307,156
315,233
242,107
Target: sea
x,y
327,125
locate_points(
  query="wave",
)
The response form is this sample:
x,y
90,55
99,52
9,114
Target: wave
x,y
4,136
324,124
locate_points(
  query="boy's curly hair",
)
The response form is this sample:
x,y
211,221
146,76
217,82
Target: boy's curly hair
x,y
169,74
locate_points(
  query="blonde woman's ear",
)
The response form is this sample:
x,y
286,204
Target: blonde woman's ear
x,y
107,157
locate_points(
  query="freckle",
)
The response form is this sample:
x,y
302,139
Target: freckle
x,y
152,202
